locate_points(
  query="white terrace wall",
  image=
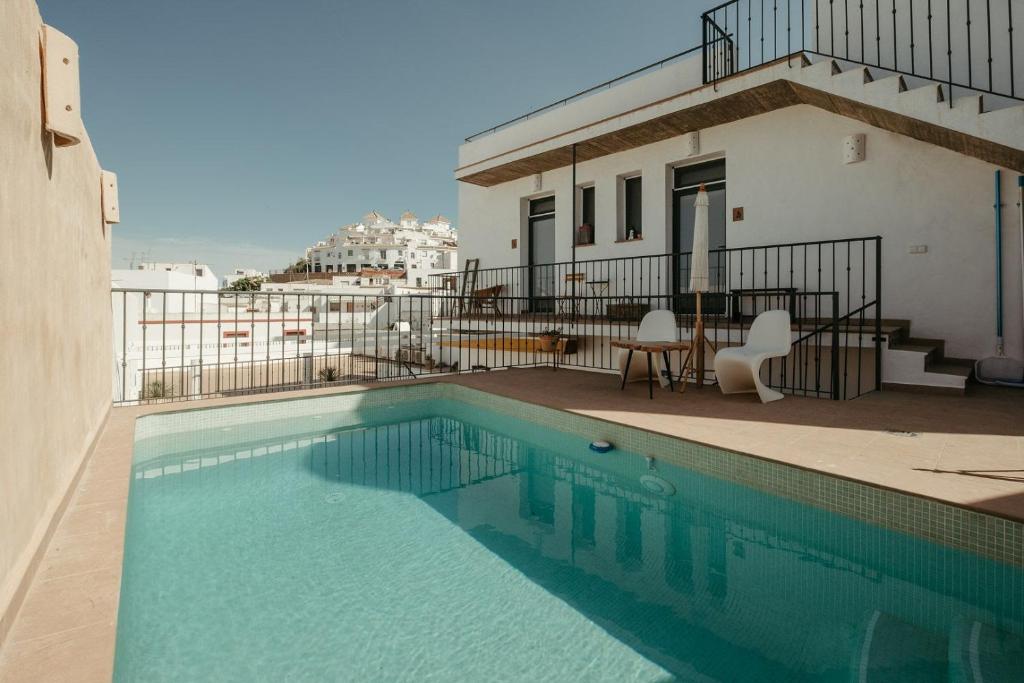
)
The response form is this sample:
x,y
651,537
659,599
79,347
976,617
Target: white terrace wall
x,y
786,170
55,345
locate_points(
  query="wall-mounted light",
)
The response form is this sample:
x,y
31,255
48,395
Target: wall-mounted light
x,y
854,148
62,100
691,143
108,196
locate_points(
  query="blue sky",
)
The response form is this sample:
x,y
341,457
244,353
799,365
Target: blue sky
x,y
243,130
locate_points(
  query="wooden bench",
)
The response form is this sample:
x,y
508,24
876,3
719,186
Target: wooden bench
x,y
486,298
737,298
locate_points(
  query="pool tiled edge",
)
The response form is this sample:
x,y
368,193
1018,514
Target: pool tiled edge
x,y
958,527
988,535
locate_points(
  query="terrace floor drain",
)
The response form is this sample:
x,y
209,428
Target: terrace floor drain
x,y
901,432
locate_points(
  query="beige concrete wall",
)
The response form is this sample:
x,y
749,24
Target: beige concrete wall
x,y
55,343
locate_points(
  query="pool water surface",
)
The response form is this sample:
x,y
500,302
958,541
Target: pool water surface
x,y
438,540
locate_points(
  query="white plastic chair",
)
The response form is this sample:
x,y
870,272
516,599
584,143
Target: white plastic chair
x,y
655,326
738,368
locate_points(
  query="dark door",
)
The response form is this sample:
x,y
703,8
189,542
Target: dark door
x,y
542,254
687,181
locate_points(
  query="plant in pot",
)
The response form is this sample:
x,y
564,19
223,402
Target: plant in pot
x,y
547,340
328,375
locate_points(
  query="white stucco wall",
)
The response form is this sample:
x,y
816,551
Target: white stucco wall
x,y
988,28
671,79
55,329
786,170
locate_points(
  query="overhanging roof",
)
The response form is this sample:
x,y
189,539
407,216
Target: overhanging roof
x,y
759,99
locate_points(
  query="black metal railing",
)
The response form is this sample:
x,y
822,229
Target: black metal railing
x,y
962,43
180,344
848,266
616,292
587,92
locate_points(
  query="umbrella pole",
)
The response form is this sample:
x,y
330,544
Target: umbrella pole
x,y
698,340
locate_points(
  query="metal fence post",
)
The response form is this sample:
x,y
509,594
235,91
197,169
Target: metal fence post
x,y
835,347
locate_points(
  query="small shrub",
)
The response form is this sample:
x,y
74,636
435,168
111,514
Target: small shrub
x,y
329,375
156,389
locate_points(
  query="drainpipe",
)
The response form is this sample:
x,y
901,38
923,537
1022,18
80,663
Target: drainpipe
x,y
1020,217
573,224
999,264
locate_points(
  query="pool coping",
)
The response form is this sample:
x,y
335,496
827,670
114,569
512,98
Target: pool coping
x,y
83,626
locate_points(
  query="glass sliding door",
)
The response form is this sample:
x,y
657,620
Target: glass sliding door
x,y
687,181
541,222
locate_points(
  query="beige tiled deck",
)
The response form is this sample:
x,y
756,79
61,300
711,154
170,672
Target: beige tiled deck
x,y
966,451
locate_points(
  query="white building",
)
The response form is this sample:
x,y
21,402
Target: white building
x,y
239,273
376,243
795,150
156,275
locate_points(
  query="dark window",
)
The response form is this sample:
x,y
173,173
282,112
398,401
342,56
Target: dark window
x,y
542,206
587,205
351,267
585,232
633,213
691,176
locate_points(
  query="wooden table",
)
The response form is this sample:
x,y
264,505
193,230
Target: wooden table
x,y
650,347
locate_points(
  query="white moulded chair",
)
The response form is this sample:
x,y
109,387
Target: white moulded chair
x,y
738,368
655,326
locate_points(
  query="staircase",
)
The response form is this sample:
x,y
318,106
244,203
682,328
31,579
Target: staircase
x,y
918,364
889,103
892,650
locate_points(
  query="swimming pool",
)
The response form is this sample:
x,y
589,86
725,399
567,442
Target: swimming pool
x,y
434,532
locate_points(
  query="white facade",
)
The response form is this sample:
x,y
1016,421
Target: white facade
x,y
376,243
239,273
785,169
167,276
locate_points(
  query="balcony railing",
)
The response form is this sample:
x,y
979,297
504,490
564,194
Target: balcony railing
x,y
962,43
182,344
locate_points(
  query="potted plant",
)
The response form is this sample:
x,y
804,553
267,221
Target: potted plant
x,y
547,340
328,375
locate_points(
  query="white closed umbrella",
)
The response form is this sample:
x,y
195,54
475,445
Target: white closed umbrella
x,y
699,282
699,252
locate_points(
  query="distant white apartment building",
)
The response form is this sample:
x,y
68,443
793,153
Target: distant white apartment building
x,y
407,252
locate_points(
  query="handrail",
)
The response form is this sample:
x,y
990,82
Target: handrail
x,y
945,42
581,93
819,330
753,247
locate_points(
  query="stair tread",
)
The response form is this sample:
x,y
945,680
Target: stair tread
x,y
922,348
924,341
949,369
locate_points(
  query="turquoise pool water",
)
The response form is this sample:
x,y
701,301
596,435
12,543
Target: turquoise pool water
x,y
435,540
